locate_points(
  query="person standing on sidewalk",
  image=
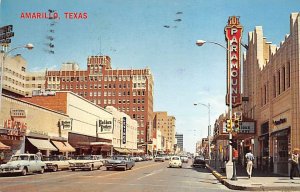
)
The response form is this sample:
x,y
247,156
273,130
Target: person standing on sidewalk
x,y
294,163
250,158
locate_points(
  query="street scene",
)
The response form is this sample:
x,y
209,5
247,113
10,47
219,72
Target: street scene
x,y
149,95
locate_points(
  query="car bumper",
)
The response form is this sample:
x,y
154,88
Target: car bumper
x,y
6,171
175,165
115,165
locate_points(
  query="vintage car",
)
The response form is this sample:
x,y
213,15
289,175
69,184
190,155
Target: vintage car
x,y
184,159
119,162
23,164
199,161
159,158
175,161
86,162
56,162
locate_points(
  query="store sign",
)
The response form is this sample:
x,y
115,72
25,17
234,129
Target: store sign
x,y
280,121
15,128
18,113
124,130
233,35
105,126
66,125
247,127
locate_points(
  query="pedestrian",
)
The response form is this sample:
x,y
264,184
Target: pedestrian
x,y
2,157
294,163
39,154
250,158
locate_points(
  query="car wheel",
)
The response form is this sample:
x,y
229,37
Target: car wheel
x,y
107,168
55,168
73,169
42,170
24,171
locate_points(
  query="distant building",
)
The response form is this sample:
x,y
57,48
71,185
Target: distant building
x,y
166,124
179,138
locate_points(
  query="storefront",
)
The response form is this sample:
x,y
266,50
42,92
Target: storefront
x,y
281,140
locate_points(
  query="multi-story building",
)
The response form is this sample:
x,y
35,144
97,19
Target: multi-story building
x,y
17,81
166,124
128,90
271,82
179,138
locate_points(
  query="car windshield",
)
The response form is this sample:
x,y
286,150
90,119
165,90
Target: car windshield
x,y
119,158
19,157
175,158
83,158
183,157
199,158
51,158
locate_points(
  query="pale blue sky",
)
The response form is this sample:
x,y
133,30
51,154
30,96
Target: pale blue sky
x,y
132,33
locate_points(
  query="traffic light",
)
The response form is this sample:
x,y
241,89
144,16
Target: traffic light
x,y
233,143
228,125
236,125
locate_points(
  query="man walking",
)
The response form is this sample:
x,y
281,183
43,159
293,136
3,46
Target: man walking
x,y
294,163
250,158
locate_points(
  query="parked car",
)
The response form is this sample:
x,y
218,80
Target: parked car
x,y
120,162
56,162
199,161
86,162
137,158
175,161
23,164
167,157
159,158
184,159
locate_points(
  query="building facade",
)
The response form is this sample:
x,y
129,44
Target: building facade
x,y
129,90
271,82
166,125
93,129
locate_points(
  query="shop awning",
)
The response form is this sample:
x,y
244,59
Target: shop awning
x,y
42,144
120,150
63,146
100,143
4,147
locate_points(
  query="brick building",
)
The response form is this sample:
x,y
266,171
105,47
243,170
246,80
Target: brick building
x,y
128,90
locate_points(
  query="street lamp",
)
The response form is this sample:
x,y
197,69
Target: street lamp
x,y
28,46
208,133
229,163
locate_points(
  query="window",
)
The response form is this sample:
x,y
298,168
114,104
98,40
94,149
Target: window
x,y
288,75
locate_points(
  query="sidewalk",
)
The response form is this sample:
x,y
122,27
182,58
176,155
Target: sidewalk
x,y
260,181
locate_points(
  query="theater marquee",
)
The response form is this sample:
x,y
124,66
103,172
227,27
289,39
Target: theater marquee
x,y
233,35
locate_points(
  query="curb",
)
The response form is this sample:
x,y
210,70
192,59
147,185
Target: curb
x,y
222,179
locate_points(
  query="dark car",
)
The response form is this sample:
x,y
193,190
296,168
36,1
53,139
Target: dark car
x,y
119,162
199,161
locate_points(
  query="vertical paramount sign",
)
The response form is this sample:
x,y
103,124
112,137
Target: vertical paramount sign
x,y
233,35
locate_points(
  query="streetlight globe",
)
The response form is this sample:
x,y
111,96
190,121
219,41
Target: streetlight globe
x,y
29,46
200,42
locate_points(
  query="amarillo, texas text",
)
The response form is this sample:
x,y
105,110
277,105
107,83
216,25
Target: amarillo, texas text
x,y
54,15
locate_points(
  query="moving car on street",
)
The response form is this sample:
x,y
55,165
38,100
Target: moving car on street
x,y
184,159
175,161
56,162
159,158
23,164
199,161
86,162
120,162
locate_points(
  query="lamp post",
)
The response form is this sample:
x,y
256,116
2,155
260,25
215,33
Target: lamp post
x,y
208,133
229,164
28,46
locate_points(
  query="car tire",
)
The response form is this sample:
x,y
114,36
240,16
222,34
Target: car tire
x,y
42,170
55,168
73,169
24,171
107,168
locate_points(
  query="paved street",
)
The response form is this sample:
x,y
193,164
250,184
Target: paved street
x,y
145,176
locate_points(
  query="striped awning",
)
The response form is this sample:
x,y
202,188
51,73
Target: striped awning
x,y
42,144
63,146
121,150
4,147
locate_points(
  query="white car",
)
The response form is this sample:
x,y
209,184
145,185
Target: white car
x,y
87,162
56,162
23,164
175,161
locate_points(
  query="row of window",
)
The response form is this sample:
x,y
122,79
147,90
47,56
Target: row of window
x,y
18,75
281,82
106,86
96,78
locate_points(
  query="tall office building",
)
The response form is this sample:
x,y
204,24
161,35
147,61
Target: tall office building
x,y
128,90
179,138
166,124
